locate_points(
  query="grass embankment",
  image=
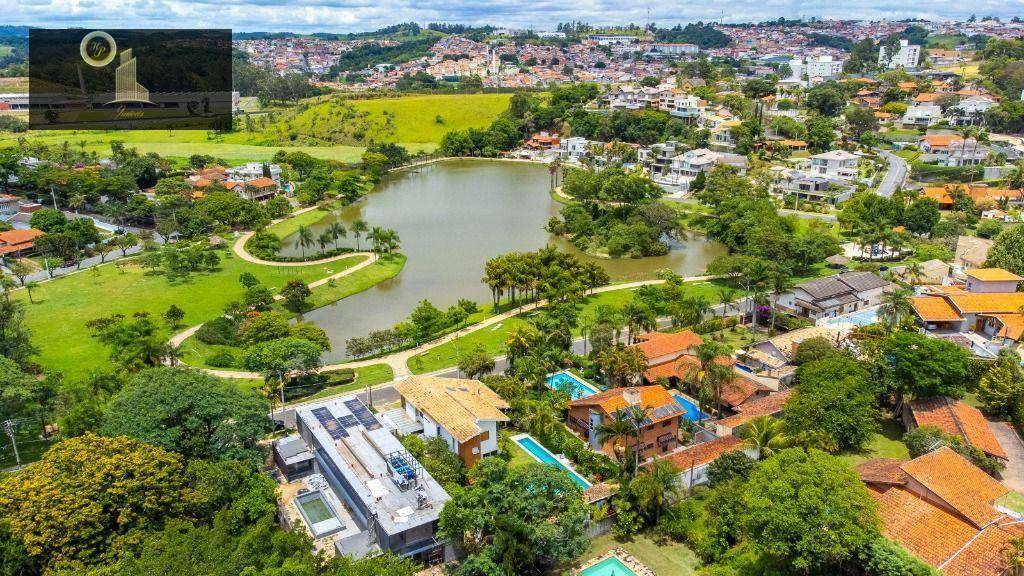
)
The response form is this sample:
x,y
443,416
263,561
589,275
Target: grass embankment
x,y
63,306
415,118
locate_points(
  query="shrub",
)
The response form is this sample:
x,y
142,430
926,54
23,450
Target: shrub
x,y
219,331
221,360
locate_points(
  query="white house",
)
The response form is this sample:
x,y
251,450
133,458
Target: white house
x,y
923,115
907,56
254,170
464,413
573,148
834,295
694,461
837,163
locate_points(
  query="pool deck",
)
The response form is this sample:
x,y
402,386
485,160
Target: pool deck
x,y
626,558
589,387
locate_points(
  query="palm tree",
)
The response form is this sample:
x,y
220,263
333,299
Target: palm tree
x,y
358,228
780,282
376,235
323,240
914,272
616,431
29,287
638,317
656,488
305,239
519,340
767,435
710,377
336,230
638,417
895,305
727,295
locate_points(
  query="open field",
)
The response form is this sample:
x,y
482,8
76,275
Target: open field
x,y
14,84
63,306
884,444
415,117
966,70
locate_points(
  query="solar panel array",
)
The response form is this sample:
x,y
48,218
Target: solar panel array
x,y
330,423
348,421
362,414
666,411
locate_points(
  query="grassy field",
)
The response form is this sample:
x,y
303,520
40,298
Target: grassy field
x,y
884,444
966,70
664,558
415,118
63,306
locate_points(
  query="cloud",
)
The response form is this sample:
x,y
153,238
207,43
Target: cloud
x,y
363,15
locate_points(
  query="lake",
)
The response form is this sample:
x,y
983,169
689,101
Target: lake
x,y
452,217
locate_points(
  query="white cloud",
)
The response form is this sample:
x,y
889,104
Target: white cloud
x,y
362,15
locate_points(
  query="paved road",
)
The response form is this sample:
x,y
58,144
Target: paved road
x,y
894,177
1013,475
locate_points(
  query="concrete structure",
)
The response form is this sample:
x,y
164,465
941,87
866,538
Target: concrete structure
x,y
392,502
835,163
906,56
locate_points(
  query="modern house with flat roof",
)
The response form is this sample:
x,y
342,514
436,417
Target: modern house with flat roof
x,y
463,413
379,496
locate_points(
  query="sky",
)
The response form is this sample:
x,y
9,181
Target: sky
x,y
342,16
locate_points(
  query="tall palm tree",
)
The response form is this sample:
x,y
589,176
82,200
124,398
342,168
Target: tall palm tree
x,y
638,317
895,305
376,235
767,434
710,377
728,296
656,488
914,272
323,240
336,230
638,418
519,341
617,431
305,239
358,228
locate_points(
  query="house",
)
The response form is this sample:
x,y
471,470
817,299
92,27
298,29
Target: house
x,y
573,148
971,251
770,405
661,347
463,413
921,116
542,141
956,418
693,462
254,170
987,312
366,494
937,143
838,163
259,189
834,295
945,511
906,55
19,242
9,205
779,350
659,433
931,272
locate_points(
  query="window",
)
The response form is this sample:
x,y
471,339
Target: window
x,y
666,423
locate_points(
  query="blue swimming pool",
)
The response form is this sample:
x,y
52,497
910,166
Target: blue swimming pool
x,y
571,384
859,318
692,412
543,455
609,567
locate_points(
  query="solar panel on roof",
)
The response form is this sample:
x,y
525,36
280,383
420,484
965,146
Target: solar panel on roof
x,y
362,414
348,421
330,423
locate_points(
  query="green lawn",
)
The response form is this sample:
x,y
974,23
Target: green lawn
x,y
415,118
63,306
290,225
665,558
884,444
366,376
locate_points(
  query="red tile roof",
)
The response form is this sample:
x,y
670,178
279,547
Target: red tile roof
x,y
14,237
657,344
764,406
957,418
704,453
960,484
611,401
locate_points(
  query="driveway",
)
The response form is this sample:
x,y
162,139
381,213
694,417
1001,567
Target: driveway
x,y
1013,475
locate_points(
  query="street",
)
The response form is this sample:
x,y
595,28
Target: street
x,y
894,177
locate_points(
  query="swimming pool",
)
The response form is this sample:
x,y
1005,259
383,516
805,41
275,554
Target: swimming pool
x,y
863,317
611,566
543,455
692,412
318,514
571,384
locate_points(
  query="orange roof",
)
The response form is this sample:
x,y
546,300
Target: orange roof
x,y
15,237
906,85
957,419
926,97
792,143
929,532
940,140
991,303
883,115
886,471
960,484
201,182
611,401
657,344
261,182
937,193
1013,325
934,309
985,555
992,275
739,391
704,453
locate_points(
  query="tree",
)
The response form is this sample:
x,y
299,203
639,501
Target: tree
x,y
295,294
15,337
306,240
616,431
820,133
359,227
283,357
919,366
729,466
895,307
1002,386
827,99
426,320
861,120
622,365
48,220
655,488
921,216
813,349
808,510
476,363
336,230
527,520
86,491
1008,251
173,316
189,412
834,403
767,435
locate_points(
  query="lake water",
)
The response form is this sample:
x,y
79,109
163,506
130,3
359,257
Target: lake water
x,y
452,217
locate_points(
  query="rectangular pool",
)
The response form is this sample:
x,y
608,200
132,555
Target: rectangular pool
x,y
863,317
573,385
692,412
318,514
609,567
544,456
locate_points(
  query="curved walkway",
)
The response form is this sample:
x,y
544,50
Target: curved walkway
x,y
399,360
239,248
